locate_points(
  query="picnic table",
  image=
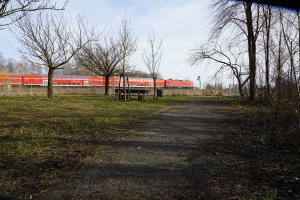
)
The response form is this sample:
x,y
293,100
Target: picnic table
x,y
140,93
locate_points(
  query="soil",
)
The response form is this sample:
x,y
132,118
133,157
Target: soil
x,y
201,149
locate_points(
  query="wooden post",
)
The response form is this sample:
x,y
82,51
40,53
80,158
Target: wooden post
x,y
128,87
119,87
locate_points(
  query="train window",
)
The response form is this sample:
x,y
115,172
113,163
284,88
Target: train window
x,y
36,80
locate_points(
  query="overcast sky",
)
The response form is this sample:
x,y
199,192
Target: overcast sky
x,y
181,23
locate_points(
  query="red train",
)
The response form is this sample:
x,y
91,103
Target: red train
x,y
88,81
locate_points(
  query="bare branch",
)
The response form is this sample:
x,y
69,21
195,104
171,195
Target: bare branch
x,y
226,61
152,56
11,11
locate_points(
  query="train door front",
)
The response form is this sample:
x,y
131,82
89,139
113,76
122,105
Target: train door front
x,y
45,82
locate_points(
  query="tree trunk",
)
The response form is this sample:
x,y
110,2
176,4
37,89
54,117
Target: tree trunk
x,y
123,71
298,81
154,87
129,93
106,92
119,89
124,86
267,49
240,88
50,83
278,78
251,50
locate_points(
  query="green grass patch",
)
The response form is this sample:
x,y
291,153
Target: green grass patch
x,y
271,195
39,138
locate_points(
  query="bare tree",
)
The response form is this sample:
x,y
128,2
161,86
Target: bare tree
x,y
48,41
252,35
102,57
12,10
245,17
21,66
297,25
267,18
290,30
76,69
152,57
280,57
290,36
226,58
25,67
139,73
11,65
128,47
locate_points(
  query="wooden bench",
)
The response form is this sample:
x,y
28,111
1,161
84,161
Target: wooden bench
x,y
140,93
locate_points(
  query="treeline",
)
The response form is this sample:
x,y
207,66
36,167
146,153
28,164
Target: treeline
x,y
260,46
12,66
22,66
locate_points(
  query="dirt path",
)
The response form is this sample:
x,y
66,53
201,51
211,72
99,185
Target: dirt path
x,y
187,153
168,158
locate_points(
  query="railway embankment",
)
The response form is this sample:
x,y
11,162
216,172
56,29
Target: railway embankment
x,y
9,90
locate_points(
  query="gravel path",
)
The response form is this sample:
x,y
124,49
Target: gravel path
x,y
169,158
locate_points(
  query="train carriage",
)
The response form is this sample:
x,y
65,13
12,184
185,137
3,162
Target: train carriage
x,y
34,80
160,83
69,80
89,81
11,79
178,84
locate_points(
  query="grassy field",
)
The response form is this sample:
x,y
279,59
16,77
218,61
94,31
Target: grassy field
x,y
41,139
